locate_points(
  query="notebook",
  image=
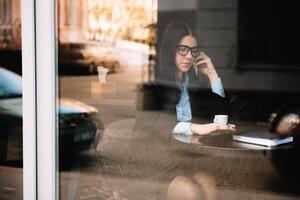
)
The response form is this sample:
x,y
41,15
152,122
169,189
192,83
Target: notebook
x,y
262,138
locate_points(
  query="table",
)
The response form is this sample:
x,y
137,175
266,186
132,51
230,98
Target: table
x,y
240,165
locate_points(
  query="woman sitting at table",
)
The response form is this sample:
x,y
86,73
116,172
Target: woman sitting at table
x,y
179,51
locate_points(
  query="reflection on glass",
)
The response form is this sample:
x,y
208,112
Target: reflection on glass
x,y
121,147
10,101
106,49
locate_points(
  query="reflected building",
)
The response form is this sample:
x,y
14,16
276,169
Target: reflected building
x,y
80,20
10,35
104,20
85,28
10,24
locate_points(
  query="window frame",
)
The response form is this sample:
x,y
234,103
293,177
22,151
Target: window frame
x,y
40,171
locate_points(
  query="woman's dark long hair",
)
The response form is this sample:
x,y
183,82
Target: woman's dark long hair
x,y
173,34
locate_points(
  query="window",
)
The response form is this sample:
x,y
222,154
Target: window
x,y
268,34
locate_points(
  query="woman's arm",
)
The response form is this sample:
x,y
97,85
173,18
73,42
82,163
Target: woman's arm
x,y
183,128
205,129
201,129
205,65
217,87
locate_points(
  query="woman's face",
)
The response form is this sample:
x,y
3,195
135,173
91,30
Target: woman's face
x,y
184,63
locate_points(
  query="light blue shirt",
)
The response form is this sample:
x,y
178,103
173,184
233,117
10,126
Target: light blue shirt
x,y
183,108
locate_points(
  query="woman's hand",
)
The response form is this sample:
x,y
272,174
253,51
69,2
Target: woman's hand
x,y
205,129
204,64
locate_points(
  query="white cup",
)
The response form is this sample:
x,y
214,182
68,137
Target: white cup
x,y
221,119
102,74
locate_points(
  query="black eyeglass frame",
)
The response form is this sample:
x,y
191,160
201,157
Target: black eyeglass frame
x,y
189,49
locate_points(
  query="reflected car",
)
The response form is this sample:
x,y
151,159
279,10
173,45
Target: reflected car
x,y
78,123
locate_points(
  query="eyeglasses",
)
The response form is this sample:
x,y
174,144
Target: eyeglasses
x,y
184,50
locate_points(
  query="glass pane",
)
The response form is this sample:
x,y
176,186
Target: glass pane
x,y
10,100
151,95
